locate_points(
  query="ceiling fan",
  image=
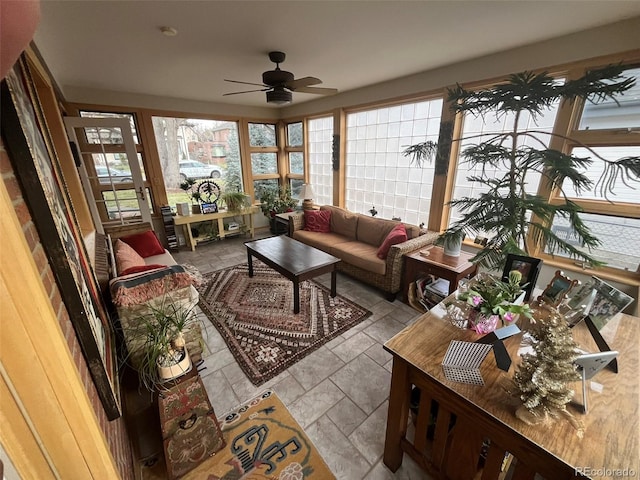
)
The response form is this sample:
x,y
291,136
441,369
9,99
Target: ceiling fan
x,y
279,83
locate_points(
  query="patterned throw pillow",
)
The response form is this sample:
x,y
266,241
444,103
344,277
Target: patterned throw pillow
x,y
126,257
317,221
397,235
145,243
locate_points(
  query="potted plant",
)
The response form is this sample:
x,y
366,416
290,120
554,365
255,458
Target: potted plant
x,y
156,343
274,200
236,201
190,187
505,210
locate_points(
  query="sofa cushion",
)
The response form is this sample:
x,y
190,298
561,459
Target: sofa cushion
x,y
145,243
395,236
374,230
361,255
317,221
126,257
321,241
343,222
413,231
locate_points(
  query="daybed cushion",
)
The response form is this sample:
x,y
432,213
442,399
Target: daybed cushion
x,y
317,221
145,243
395,236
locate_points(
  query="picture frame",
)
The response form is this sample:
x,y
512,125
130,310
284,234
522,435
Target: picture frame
x,y
27,141
607,303
557,289
529,267
209,207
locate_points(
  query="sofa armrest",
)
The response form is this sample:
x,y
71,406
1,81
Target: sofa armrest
x,y
296,222
395,262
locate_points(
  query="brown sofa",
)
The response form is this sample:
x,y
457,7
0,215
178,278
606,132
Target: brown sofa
x,y
355,239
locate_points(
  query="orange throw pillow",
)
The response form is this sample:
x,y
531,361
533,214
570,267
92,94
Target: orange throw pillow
x,y
126,257
317,221
395,236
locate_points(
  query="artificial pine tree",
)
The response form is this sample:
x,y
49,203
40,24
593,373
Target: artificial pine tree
x,y
542,379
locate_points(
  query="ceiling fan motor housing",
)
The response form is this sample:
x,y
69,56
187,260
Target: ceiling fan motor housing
x,y
277,77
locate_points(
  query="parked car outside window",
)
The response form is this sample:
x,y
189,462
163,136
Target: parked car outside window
x,y
194,169
116,175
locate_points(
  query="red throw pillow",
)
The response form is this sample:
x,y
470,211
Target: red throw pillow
x,y
317,221
145,243
142,268
395,236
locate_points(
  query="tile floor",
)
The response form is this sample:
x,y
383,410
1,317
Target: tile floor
x,y
338,394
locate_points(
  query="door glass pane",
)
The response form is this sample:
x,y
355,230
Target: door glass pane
x,y
262,135
619,237
123,204
623,112
198,149
94,135
296,162
294,134
264,163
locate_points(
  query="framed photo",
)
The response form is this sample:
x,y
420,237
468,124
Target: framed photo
x,y
209,207
45,194
607,303
557,289
529,267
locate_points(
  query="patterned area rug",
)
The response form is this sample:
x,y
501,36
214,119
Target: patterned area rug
x,y
263,441
255,317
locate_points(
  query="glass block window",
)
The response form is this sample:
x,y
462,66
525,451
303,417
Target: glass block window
x,y
377,173
320,142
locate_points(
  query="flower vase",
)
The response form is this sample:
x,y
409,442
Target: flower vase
x,y
483,324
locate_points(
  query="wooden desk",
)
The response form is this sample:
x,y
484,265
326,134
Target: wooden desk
x,y
553,450
187,220
438,264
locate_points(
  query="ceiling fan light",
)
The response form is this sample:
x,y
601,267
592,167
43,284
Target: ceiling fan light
x,y
279,97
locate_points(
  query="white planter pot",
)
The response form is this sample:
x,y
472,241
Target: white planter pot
x,y
176,370
452,247
183,209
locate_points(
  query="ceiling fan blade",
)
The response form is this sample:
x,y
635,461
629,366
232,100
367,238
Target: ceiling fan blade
x,y
302,82
246,83
317,90
247,91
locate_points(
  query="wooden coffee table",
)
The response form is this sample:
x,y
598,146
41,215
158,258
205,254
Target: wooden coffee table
x,y
293,260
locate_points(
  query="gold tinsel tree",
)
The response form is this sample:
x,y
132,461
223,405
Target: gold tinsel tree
x,y
542,379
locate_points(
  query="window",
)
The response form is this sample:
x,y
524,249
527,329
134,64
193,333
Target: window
x,y
320,146
263,152
479,129
294,151
377,173
609,130
190,148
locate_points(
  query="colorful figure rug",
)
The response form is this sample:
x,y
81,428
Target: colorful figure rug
x,y
263,441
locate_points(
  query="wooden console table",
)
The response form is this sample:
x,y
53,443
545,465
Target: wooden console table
x,y
187,220
468,416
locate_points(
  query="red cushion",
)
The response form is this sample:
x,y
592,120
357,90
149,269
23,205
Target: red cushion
x,y
395,236
145,243
142,268
317,221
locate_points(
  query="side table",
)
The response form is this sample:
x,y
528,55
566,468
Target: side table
x,y
438,264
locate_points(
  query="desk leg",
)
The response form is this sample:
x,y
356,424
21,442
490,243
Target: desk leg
x,y
398,414
333,282
296,295
250,263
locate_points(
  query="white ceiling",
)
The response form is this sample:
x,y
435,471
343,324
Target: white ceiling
x,y
117,45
